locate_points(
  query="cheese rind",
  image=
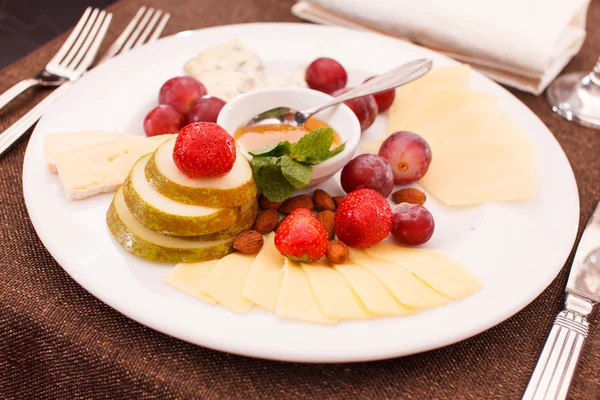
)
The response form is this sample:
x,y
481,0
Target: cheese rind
x,y
296,298
188,277
263,282
433,267
226,281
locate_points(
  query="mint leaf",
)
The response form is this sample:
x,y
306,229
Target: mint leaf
x,y
296,173
275,149
335,151
313,147
267,175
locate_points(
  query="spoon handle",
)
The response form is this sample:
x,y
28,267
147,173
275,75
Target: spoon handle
x,y
396,77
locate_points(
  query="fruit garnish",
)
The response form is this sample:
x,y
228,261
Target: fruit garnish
x,y
163,119
326,75
365,108
204,150
279,169
206,108
368,171
409,156
385,99
181,93
363,219
412,224
301,237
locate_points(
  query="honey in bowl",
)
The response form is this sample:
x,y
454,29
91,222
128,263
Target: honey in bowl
x,y
250,138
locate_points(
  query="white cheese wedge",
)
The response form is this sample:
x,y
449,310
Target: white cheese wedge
x,y
335,296
405,286
465,173
293,78
296,298
227,70
263,283
226,281
101,167
188,277
433,267
374,295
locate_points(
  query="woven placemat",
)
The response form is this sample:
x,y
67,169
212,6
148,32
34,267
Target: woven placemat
x,y
58,341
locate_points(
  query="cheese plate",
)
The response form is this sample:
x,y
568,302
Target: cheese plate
x,y
515,248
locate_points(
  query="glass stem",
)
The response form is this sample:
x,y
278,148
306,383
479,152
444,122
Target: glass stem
x,y
595,74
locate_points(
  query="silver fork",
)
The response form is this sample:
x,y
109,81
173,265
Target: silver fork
x,y
72,59
135,35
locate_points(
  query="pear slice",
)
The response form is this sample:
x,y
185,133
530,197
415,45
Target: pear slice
x,y
146,243
167,216
232,190
246,218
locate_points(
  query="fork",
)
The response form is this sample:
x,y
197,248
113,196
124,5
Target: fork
x,y
135,35
72,59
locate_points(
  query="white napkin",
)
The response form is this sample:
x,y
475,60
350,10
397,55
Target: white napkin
x,y
521,43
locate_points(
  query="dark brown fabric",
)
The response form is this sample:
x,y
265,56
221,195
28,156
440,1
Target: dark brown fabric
x,y
57,341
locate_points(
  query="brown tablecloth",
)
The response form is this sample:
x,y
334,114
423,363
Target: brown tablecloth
x,y
58,341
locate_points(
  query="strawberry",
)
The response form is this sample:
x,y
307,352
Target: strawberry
x,y
301,237
204,150
363,219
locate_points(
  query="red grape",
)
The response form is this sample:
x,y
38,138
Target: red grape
x,y
163,119
385,99
412,224
207,109
364,107
368,171
326,75
181,92
408,154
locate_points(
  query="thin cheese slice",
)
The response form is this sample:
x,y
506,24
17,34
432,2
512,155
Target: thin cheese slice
x,y
296,299
432,267
467,173
335,296
406,287
59,142
188,277
374,295
265,275
226,281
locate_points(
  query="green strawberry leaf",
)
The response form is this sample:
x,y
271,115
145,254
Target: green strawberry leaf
x,y
274,150
296,173
313,147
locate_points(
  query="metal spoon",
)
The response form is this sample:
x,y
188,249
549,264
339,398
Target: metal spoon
x,y
396,77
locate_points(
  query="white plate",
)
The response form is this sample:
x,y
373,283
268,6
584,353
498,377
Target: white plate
x,y
515,248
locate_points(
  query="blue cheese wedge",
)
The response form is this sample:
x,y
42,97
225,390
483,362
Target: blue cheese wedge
x,y
227,70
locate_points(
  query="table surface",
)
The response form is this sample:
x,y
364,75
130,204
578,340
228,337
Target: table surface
x,y
57,341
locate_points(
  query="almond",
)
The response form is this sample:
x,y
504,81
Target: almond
x,y
323,200
337,252
409,195
301,201
337,200
267,204
327,219
248,242
266,221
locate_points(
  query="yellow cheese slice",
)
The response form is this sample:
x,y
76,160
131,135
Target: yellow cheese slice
x,y
374,295
226,281
265,275
406,287
433,267
188,277
335,296
466,173
408,96
296,298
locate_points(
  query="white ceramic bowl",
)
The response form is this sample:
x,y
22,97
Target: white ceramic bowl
x,y
341,118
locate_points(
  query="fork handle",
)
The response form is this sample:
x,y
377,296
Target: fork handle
x,y
554,370
16,90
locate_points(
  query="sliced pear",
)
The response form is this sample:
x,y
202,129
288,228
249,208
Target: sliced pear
x,y
168,216
246,218
232,190
151,245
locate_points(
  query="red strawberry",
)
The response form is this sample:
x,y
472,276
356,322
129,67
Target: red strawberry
x,y
363,219
204,150
301,237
